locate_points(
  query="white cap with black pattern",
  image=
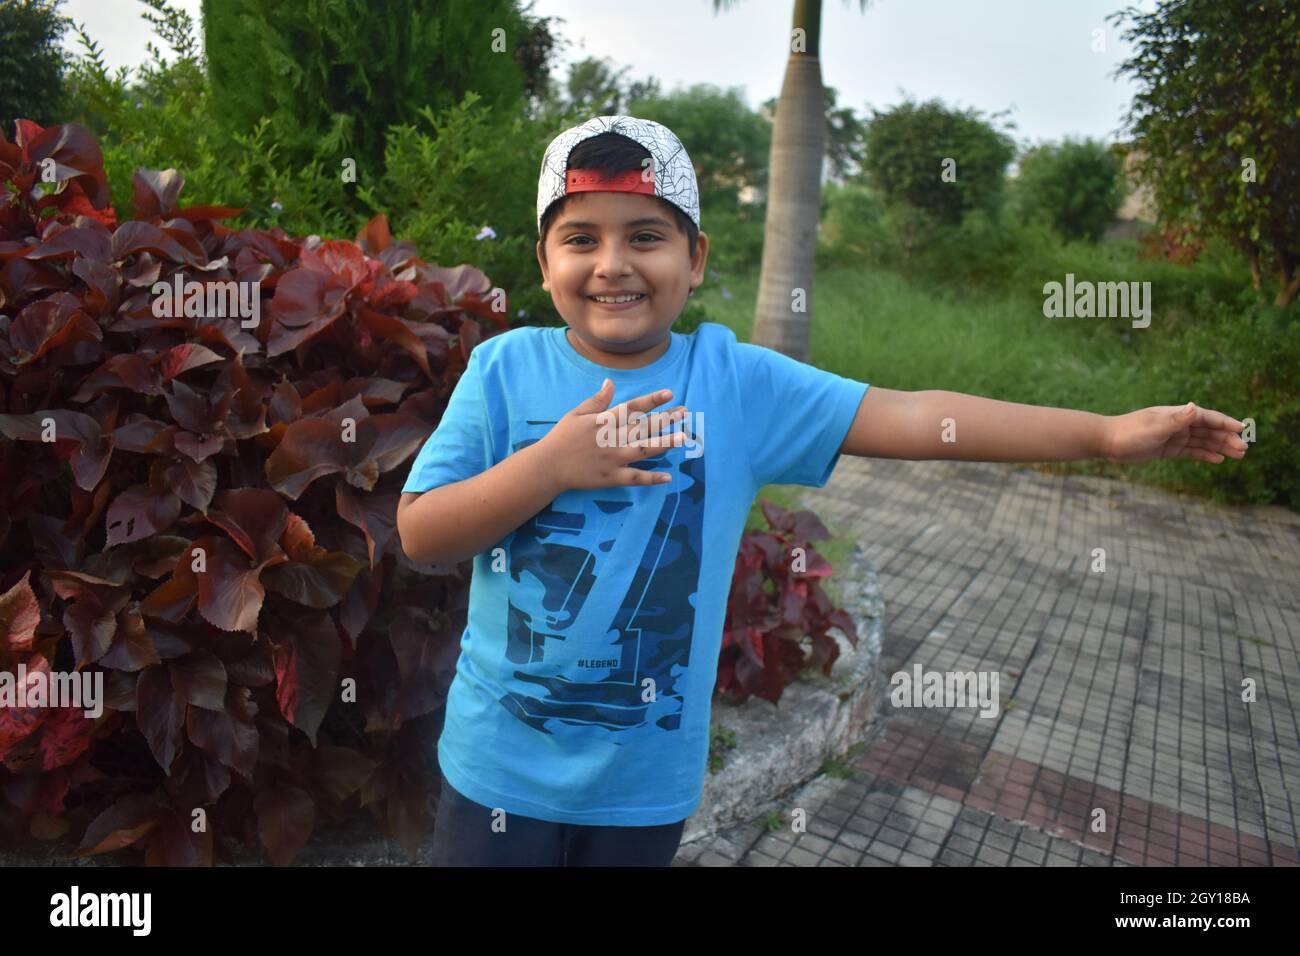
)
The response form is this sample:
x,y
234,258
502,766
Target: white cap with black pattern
x,y
672,176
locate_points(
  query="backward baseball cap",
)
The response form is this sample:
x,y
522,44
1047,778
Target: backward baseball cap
x,y
672,175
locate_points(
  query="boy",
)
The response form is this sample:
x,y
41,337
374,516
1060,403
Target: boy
x,y
604,539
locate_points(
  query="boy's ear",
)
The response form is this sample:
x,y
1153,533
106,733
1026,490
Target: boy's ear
x,y
699,259
541,262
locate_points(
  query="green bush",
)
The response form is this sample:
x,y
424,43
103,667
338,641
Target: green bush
x,y
692,314
1075,187
31,62
941,161
1012,256
853,227
162,119
861,227
735,237
333,76
1241,358
466,168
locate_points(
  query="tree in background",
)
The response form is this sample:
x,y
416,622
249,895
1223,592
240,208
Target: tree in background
x,y
940,161
845,137
728,142
535,51
1076,187
333,76
31,62
156,118
1217,118
783,316
597,88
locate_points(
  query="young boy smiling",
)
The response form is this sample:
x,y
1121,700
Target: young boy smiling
x,y
577,724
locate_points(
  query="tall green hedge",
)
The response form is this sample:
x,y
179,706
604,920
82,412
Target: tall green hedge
x,y
333,75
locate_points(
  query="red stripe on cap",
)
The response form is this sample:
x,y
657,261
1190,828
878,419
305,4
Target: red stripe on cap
x,y
590,181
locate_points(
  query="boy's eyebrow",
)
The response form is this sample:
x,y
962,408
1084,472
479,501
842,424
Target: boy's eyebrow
x,y
630,224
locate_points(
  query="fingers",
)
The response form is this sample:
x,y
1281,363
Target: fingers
x,y
1227,435
640,425
659,421
649,447
646,402
1209,418
1213,439
1213,450
597,402
640,476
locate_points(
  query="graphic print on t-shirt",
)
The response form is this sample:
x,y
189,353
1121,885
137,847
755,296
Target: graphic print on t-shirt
x,y
602,605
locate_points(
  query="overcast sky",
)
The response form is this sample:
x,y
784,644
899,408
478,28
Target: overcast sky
x,y
1032,57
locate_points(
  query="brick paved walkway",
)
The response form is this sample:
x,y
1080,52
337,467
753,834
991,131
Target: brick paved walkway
x,y
1122,690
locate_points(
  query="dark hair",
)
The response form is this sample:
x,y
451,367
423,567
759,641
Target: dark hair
x,y
613,153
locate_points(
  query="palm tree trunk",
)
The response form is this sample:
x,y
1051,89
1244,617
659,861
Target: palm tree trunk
x,y
782,317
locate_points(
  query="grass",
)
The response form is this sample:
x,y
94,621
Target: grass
x,y
882,328
878,327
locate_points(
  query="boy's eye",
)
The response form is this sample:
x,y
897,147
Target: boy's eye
x,y
571,241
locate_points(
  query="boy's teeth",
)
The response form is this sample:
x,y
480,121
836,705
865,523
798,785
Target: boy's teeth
x,y
616,298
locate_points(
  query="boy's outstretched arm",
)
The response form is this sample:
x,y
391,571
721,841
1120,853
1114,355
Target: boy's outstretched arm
x,y
939,424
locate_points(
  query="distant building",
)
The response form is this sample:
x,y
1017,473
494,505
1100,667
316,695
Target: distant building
x,y
1140,204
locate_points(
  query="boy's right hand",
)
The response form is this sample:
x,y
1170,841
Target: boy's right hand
x,y
578,456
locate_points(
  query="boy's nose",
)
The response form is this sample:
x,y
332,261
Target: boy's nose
x,y
611,262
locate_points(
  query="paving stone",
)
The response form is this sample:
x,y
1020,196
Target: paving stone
x,y
1116,678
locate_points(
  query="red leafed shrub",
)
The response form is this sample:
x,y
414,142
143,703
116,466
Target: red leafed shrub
x,y
202,510
776,601
1174,243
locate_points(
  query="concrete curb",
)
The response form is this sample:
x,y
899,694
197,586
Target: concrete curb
x,y
780,747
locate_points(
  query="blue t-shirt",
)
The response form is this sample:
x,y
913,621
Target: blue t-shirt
x,y
587,668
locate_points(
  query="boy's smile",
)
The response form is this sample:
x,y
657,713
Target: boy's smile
x,y
610,246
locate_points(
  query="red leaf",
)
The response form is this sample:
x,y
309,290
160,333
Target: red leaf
x,y
200,679
65,736
160,714
341,771
230,594
139,512
306,668
17,723
285,818
91,626
154,192
76,156
122,824
255,518
175,843
225,735
129,372
19,615
134,237
374,236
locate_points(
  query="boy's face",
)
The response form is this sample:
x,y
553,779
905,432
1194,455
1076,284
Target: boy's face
x,y
619,244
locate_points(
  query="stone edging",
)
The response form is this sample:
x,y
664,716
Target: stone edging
x,y
779,747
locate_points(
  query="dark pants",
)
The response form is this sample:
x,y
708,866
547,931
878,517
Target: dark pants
x,y
463,836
